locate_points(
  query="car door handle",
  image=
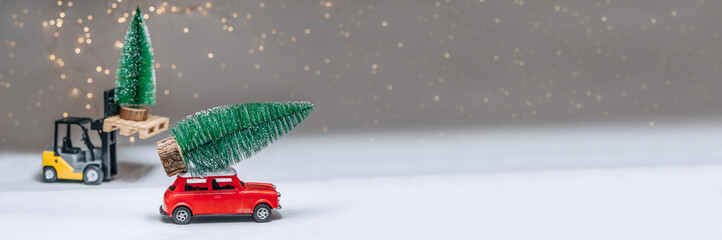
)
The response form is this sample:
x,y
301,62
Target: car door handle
x,y
216,196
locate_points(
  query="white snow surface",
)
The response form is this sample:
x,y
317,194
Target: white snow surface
x,y
577,183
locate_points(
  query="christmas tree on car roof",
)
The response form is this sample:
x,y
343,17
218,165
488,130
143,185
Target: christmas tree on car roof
x,y
135,83
217,138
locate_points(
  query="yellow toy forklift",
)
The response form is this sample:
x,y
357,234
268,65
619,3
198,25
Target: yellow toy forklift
x,y
90,164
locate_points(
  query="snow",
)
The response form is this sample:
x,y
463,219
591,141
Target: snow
x,y
578,183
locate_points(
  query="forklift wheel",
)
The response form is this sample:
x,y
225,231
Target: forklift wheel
x,y
92,175
49,174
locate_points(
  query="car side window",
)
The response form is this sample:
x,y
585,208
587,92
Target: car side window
x,y
196,184
222,184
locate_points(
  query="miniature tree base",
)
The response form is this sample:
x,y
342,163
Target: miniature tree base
x,y
134,114
171,157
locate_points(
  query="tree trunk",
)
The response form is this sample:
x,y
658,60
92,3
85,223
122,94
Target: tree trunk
x,y
134,114
171,157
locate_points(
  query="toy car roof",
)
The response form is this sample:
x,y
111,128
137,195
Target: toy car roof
x,y
220,173
80,120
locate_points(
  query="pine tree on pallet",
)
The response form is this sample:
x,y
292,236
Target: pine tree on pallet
x,y
217,138
135,84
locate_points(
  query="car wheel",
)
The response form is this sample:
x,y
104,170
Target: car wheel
x,y
92,175
262,213
49,174
182,215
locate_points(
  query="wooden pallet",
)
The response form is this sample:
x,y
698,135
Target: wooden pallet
x,y
145,129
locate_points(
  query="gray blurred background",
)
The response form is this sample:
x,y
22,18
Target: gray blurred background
x,y
372,65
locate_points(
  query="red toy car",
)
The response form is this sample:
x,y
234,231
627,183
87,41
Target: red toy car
x,y
220,193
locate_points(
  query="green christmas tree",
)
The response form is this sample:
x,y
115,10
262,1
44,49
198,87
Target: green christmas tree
x,y
135,82
217,138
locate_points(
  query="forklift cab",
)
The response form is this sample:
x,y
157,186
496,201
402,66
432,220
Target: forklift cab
x,y
82,160
76,156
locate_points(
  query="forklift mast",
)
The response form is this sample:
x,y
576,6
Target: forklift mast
x,y
108,139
